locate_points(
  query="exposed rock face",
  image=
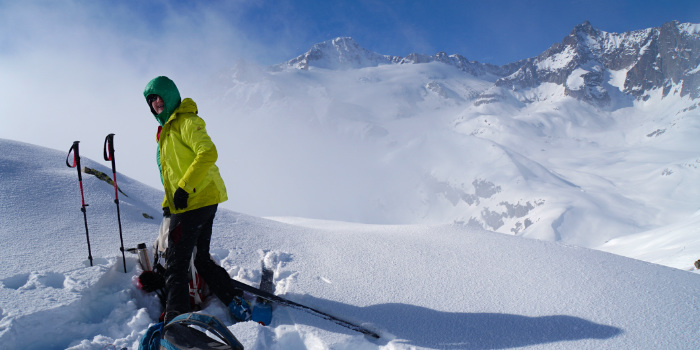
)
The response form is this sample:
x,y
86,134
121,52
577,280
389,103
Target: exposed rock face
x,y
654,58
582,62
338,53
345,53
672,56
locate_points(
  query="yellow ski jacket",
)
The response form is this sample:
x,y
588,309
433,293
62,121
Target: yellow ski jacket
x,y
187,160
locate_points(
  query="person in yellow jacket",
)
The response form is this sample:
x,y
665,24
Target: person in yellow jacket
x,y
193,189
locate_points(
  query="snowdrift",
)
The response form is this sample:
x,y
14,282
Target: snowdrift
x,y
421,286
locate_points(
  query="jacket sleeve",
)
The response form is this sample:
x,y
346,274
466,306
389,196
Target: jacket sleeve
x,y
194,135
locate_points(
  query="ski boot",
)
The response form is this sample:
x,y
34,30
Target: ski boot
x,y
240,309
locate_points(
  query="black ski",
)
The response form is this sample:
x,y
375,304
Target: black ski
x,y
266,281
262,310
282,301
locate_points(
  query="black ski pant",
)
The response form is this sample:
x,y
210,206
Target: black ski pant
x,y
189,230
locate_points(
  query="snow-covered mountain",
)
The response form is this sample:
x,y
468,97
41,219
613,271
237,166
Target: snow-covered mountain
x,y
585,61
338,53
582,62
346,53
573,145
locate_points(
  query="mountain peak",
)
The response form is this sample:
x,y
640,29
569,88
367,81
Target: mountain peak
x,y
586,26
583,32
338,53
345,41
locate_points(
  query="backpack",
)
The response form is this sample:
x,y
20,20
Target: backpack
x,y
189,331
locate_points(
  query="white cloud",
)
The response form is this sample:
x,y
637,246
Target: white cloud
x,y
75,70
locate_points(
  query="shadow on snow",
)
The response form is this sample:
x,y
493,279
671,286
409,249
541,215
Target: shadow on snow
x,y
419,326
94,314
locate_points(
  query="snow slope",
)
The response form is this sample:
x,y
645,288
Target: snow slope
x,y
430,144
421,286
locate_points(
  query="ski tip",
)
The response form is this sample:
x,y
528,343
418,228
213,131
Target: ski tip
x,y
368,332
373,335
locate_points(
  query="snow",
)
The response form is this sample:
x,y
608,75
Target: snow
x,y
558,61
694,70
617,78
575,81
667,245
689,28
644,48
421,286
339,53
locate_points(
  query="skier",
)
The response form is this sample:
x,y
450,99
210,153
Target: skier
x,y
193,189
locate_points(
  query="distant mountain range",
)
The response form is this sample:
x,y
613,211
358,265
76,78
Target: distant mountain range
x,y
582,62
592,140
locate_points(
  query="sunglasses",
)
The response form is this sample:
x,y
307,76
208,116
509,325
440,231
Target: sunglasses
x,y
150,98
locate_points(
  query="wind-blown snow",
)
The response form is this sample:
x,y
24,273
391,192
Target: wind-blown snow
x,y
421,286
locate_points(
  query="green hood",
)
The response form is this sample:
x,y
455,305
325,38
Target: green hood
x,y
166,89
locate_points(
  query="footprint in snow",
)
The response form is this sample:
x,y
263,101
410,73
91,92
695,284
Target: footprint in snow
x,y
29,281
277,260
16,282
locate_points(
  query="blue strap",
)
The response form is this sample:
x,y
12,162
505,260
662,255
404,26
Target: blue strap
x,y
151,339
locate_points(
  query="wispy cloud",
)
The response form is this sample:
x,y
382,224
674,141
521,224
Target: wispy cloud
x,y
75,70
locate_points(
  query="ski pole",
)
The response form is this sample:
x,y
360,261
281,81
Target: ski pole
x,y
76,164
282,301
109,155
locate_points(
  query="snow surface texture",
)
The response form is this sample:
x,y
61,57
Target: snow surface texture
x,y
421,286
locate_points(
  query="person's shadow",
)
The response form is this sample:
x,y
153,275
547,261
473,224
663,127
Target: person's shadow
x,y
419,326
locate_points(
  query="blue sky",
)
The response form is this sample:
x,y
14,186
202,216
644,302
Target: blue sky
x,y
272,31
490,31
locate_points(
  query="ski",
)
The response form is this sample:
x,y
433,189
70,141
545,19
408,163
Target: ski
x,y
282,301
266,281
262,310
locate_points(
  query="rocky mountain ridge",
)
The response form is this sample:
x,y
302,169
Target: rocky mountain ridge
x,y
346,53
583,62
652,58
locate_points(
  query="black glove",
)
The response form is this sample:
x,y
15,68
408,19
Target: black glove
x,y
166,212
151,281
180,198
